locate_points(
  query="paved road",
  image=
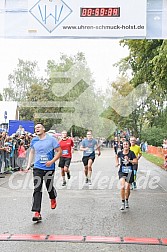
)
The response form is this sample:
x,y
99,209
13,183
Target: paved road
x,y
87,210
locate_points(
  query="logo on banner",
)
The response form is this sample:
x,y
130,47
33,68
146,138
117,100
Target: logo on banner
x,y
50,13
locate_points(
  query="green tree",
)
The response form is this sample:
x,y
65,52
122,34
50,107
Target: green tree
x,y
77,90
132,121
147,63
141,60
160,67
20,81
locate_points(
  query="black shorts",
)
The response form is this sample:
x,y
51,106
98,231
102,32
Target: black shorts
x,y
129,177
63,161
86,158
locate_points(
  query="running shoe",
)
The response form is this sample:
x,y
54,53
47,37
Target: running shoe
x,y
86,180
134,185
53,203
122,206
68,175
126,204
89,182
37,217
2,175
64,183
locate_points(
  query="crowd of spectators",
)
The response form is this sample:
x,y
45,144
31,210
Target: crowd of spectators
x,y
13,151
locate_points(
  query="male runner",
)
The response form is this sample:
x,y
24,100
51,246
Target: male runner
x,y
136,149
88,146
66,145
42,149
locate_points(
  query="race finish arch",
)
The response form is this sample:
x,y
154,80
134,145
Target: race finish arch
x,y
83,19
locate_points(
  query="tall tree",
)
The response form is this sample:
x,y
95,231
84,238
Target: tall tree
x,y
140,59
160,67
20,81
147,62
122,107
74,89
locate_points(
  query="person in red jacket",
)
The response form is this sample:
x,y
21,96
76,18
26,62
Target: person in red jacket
x,y
21,155
66,145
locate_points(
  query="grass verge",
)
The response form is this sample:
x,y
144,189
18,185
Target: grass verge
x,y
154,159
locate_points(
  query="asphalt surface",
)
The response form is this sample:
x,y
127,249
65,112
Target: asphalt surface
x,y
87,210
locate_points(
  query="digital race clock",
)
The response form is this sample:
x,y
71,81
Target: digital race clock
x,y
100,12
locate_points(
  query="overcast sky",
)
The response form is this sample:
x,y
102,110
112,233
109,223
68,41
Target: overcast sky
x,y
100,54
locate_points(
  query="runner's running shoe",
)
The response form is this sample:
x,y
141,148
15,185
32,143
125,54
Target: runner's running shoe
x,y
64,183
89,182
37,217
68,175
134,185
126,204
53,203
122,206
131,187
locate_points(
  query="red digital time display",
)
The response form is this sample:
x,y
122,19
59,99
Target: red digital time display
x,y
100,12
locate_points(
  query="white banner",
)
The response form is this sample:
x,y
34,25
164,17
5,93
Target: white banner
x,y
70,18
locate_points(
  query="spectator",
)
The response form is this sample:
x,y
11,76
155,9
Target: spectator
x,y
138,141
116,145
27,141
164,145
21,155
1,155
20,131
144,146
7,153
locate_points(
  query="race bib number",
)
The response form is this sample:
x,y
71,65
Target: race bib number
x,y
126,169
43,159
65,152
89,151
